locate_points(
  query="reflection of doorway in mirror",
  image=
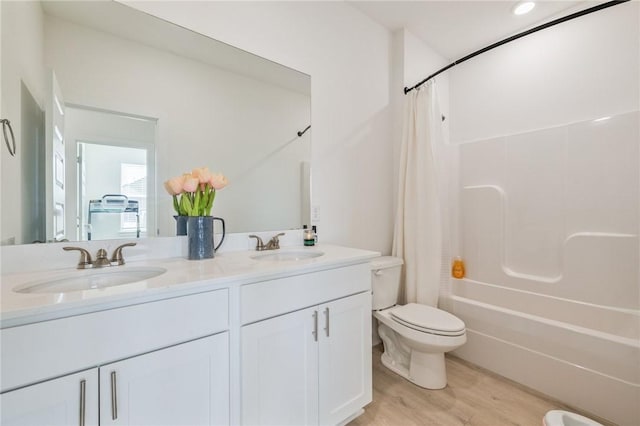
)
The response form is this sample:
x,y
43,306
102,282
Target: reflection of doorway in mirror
x,y
120,174
115,156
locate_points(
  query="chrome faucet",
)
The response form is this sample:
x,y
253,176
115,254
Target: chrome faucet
x,y
102,260
273,244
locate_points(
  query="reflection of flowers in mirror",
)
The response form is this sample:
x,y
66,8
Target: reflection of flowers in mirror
x,y
193,193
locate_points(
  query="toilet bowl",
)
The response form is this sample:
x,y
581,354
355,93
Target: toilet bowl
x,y
415,337
565,418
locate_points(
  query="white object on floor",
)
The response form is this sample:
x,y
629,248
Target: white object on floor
x,y
565,418
415,336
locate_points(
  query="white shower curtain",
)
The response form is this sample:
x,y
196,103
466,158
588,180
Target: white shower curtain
x,y
418,227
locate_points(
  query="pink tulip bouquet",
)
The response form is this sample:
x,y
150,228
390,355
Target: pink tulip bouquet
x,y
193,193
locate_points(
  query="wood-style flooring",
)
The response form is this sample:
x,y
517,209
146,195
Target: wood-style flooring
x,y
473,397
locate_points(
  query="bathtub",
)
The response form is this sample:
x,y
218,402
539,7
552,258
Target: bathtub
x,y
585,355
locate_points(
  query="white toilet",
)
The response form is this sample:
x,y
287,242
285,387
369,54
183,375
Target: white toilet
x,y
415,337
565,418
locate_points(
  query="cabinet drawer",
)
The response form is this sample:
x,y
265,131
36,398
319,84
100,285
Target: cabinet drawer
x,y
270,298
50,349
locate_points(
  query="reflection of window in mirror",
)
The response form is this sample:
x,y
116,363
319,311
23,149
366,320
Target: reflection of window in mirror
x,y
133,184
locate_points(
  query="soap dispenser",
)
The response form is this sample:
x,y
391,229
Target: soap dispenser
x,y
307,237
457,270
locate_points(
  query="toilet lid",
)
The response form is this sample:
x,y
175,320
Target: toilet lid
x,y
428,319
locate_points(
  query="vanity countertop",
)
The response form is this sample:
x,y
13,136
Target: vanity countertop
x,y
182,277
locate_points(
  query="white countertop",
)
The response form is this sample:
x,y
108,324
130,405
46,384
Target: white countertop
x,y
182,277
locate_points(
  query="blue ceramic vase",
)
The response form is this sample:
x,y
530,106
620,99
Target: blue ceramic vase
x,y
200,237
181,225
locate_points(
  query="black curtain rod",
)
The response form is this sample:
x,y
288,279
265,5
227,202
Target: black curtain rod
x,y
302,132
517,36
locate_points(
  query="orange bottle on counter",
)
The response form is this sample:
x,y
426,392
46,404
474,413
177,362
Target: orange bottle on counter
x,y
457,270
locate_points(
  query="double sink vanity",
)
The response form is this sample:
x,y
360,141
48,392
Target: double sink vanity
x,y
279,337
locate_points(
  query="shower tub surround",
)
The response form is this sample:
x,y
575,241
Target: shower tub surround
x,y
227,340
549,224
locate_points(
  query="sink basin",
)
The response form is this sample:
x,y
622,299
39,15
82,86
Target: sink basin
x,y
91,279
288,256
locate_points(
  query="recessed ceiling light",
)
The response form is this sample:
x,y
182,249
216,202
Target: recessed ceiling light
x,y
523,7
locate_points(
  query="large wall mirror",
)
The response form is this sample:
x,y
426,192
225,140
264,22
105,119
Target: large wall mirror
x,y
107,103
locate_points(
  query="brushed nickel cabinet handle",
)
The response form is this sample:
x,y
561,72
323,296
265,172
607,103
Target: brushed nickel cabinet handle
x,y
315,326
326,328
114,397
83,401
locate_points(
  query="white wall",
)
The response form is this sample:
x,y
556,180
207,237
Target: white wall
x,y
580,70
348,57
22,60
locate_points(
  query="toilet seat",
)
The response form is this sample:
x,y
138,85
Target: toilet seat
x,y
427,319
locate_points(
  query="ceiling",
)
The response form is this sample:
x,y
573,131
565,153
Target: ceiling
x,y
456,28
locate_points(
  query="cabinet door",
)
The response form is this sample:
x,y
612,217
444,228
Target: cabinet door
x,y
187,384
280,370
345,357
68,400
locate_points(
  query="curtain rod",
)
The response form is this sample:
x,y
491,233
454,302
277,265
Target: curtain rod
x,y
517,36
302,132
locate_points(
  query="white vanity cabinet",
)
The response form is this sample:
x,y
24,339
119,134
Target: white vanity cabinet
x,y
187,384
313,365
65,401
159,363
236,340
280,371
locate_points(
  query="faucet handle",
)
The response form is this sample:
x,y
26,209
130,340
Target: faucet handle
x,y
85,257
259,243
275,240
117,257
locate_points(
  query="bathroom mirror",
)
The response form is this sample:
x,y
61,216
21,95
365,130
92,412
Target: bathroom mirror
x,y
108,101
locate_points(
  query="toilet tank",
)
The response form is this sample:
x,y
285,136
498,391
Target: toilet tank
x,y
385,281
